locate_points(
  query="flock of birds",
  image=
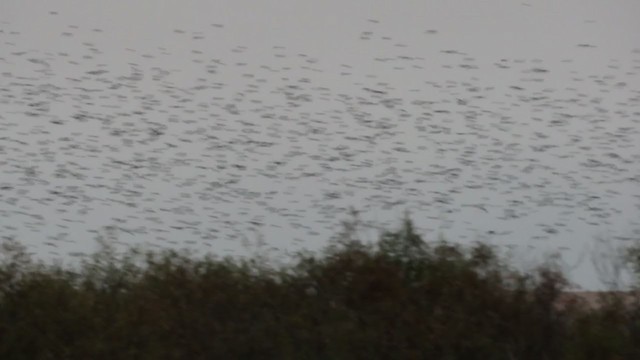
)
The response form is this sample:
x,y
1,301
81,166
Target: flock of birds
x,y
275,149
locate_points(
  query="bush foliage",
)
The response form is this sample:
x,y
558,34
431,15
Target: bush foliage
x,y
399,298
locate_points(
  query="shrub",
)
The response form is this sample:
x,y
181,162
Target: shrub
x,y
401,297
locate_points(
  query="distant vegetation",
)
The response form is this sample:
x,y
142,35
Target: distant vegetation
x,y
400,298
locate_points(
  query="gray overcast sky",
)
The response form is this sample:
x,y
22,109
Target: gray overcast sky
x,y
189,123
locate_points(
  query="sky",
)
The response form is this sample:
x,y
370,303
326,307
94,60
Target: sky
x,y
233,126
